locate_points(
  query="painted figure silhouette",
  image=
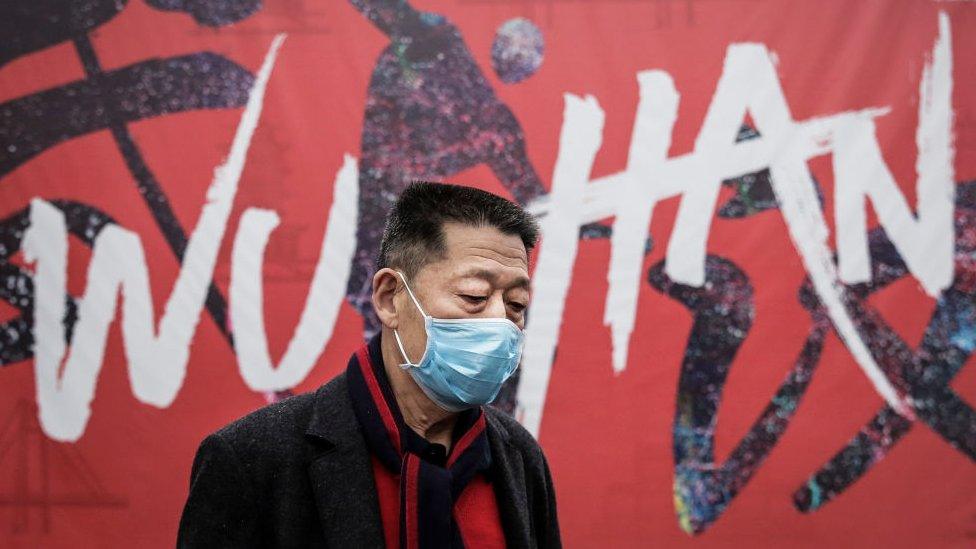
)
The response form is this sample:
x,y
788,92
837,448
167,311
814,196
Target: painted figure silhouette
x,y
431,113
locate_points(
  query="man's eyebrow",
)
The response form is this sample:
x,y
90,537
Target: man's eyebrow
x,y
485,274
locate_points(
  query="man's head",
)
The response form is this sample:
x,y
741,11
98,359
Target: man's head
x,y
464,253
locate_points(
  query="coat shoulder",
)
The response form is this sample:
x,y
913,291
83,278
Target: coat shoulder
x,y
276,430
285,415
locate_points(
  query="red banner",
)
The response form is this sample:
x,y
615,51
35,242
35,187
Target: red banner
x,y
753,301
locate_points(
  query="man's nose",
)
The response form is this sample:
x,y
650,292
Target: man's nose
x,y
496,307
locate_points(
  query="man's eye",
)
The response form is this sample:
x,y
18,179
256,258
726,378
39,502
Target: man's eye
x,y
517,307
474,298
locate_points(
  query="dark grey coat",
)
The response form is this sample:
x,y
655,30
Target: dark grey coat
x,y
298,474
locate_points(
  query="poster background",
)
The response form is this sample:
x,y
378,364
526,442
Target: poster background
x,y
608,437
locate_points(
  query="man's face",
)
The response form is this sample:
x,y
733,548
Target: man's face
x,y
484,274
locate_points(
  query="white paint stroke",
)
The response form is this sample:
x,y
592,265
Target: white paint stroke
x,y
579,141
327,291
816,136
649,145
927,243
156,363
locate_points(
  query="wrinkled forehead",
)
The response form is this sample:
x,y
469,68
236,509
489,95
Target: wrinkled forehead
x,y
483,254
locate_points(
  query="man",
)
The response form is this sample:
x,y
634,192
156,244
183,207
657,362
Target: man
x,y
400,449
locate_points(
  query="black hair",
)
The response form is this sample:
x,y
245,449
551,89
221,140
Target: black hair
x,y
414,234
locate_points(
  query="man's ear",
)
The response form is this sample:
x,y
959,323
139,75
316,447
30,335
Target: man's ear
x,y
385,284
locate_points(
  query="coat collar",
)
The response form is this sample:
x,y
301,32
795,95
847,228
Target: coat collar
x,y
508,481
340,471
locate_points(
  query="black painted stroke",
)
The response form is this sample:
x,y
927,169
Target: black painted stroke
x,y
212,13
723,313
32,124
27,26
924,374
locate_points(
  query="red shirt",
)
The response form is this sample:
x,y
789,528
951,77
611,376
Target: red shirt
x,y
475,511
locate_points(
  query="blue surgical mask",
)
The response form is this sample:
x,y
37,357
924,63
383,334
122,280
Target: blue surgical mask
x,y
466,360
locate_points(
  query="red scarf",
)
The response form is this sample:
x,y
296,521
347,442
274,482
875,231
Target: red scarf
x,y
428,490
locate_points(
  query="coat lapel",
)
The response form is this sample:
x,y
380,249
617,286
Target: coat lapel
x,y
508,478
340,471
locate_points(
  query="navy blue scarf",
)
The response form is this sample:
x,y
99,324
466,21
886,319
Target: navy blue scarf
x,y
429,483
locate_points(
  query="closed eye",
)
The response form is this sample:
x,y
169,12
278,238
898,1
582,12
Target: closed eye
x,y
474,298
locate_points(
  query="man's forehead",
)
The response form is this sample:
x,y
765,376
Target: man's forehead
x,y
486,242
485,253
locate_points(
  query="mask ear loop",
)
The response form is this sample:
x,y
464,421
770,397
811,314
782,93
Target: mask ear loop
x,y
396,335
409,291
403,352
